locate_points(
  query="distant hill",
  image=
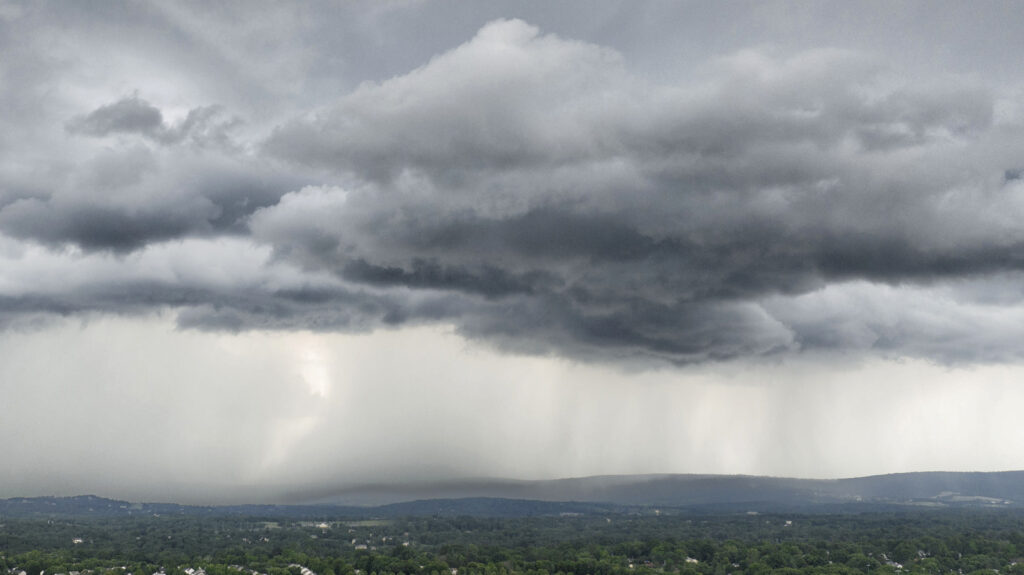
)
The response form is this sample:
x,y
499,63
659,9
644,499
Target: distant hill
x,y
92,506
929,488
590,495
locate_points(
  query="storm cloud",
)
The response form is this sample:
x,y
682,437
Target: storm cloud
x,y
255,251
616,215
541,194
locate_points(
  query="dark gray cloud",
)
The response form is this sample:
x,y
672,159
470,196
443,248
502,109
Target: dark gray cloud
x,y
125,128
127,116
124,198
132,115
93,227
541,193
619,216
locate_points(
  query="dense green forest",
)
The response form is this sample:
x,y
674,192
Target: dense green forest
x,y
949,541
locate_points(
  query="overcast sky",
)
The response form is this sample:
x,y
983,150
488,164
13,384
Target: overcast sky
x,y
253,249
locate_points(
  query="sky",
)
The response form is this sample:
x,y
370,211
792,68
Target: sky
x,y
253,250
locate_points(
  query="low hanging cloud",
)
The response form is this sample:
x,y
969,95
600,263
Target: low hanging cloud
x,y
535,193
589,208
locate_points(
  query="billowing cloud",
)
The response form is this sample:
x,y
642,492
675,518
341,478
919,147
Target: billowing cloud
x,y
535,192
593,209
140,179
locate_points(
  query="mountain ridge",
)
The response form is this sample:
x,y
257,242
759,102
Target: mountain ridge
x,y
691,489
595,494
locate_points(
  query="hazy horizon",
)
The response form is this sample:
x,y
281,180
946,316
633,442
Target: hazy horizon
x,y
593,489
254,249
